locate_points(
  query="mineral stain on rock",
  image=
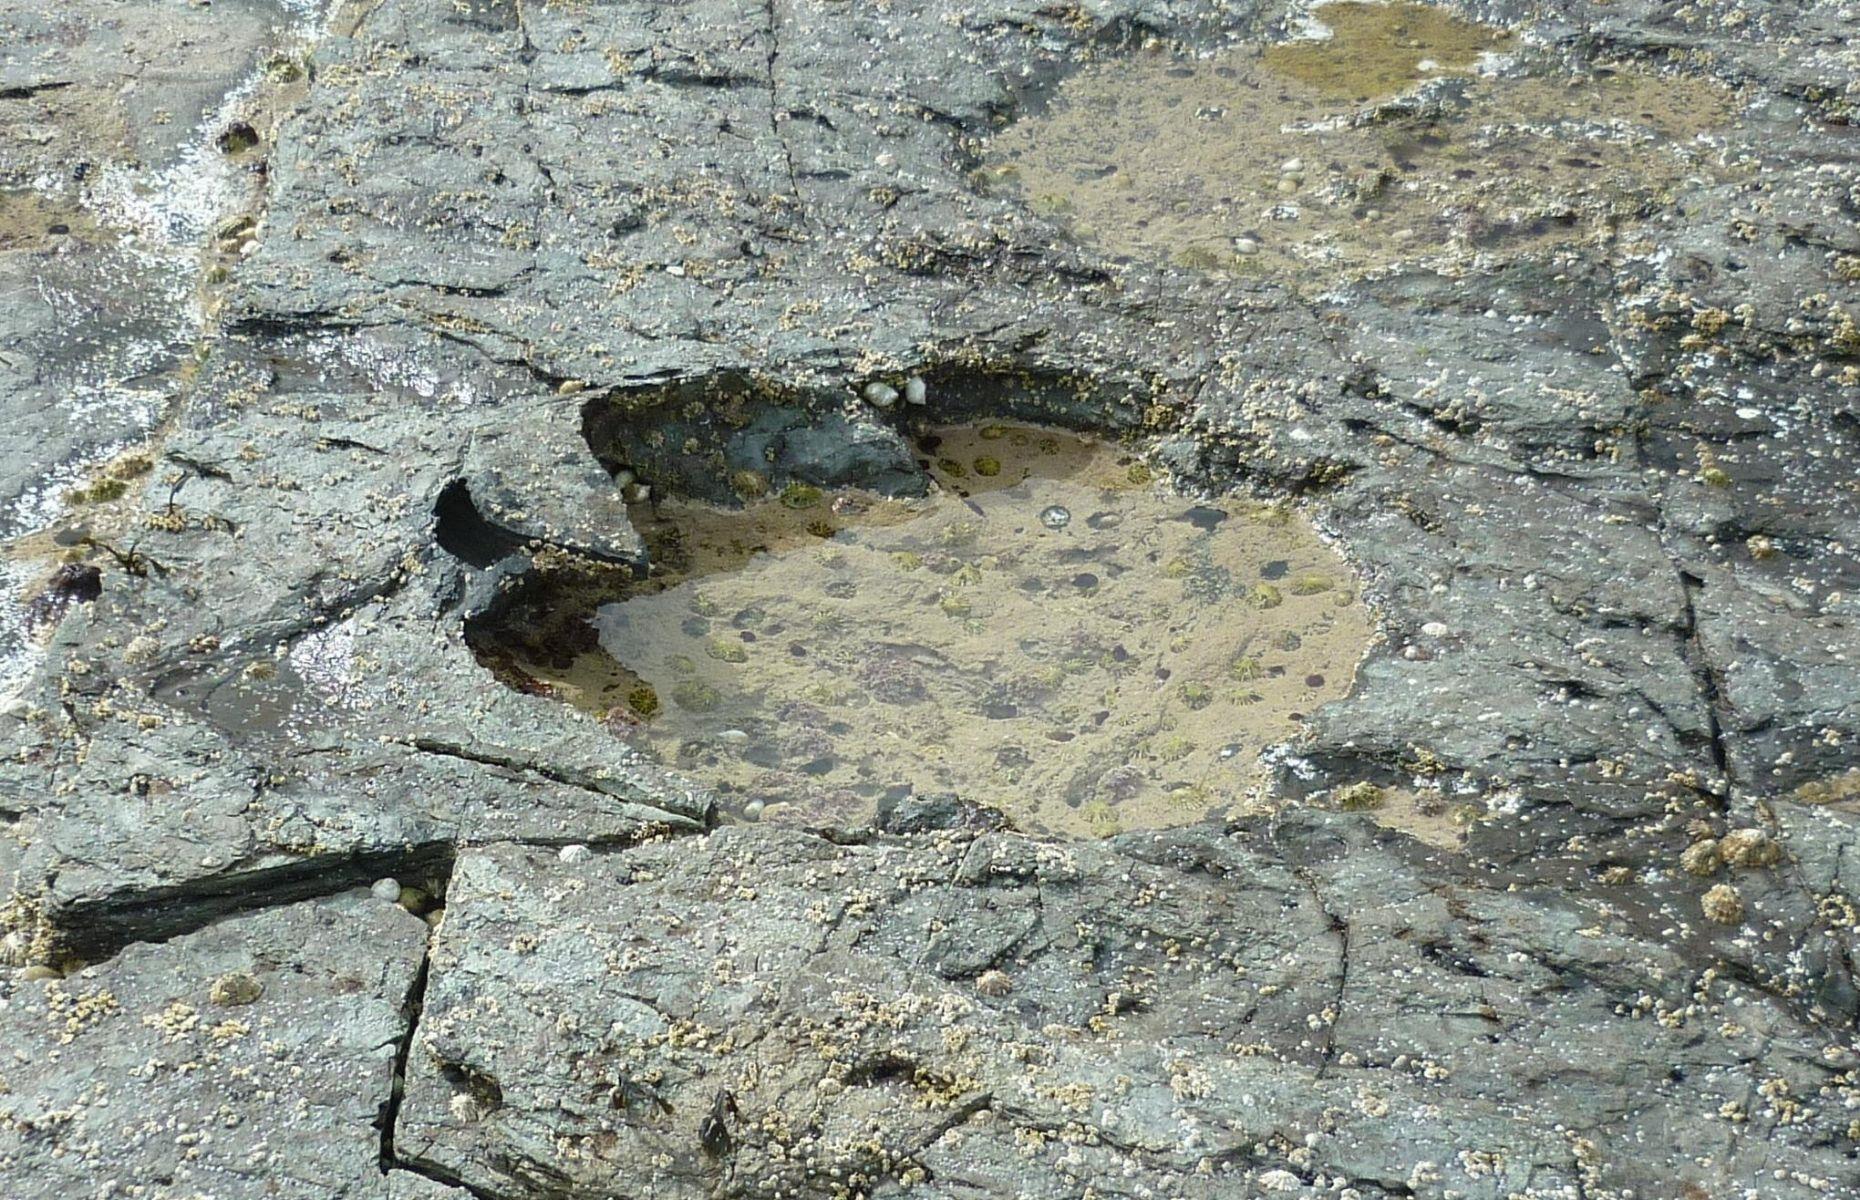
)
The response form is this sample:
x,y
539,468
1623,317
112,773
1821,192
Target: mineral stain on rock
x,y
1119,669
1389,135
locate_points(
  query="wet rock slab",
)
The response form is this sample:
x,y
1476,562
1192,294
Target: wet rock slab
x,y
89,85
270,743
251,1059
1603,499
1288,1006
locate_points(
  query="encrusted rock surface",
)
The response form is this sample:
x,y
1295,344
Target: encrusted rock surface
x,y
1198,1013
373,360
250,1058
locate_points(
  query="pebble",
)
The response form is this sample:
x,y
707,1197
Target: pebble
x,y
880,395
575,853
1204,518
1056,516
753,810
1435,629
1246,247
915,391
732,737
387,890
1291,166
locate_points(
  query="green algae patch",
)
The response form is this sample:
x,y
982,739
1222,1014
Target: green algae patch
x,y
1323,159
1013,638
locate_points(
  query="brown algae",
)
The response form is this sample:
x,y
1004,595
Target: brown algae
x,y
1291,162
1048,633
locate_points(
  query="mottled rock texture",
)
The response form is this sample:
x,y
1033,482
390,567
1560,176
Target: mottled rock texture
x,y
250,1058
1192,1013
482,249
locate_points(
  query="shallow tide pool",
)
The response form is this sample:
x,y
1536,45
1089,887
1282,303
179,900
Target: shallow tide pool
x,y
1303,161
1049,633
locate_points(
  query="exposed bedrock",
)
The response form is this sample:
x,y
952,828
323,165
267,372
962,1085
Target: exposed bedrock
x,y
486,272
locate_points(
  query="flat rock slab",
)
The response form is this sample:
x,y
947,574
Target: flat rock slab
x,y
251,1059
764,1012
503,245
1602,502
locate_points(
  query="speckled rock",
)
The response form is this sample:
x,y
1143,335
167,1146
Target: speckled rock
x,y
1196,1013
484,253
128,1077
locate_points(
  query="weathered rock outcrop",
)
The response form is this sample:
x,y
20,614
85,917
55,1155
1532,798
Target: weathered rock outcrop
x,y
1300,1004
489,251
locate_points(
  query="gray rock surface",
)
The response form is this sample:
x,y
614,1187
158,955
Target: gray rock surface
x,y
1303,1006
482,254
112,182
252,1058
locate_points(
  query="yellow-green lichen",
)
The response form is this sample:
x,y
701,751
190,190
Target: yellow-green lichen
x,y
1359,797
696,696
726,650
